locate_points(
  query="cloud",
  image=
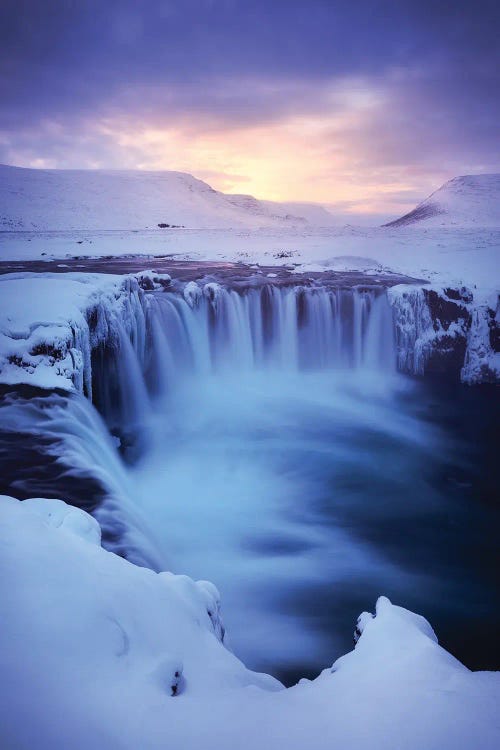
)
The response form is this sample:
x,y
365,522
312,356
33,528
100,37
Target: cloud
x,y
370,104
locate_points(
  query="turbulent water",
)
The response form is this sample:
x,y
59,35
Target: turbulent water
x,y
273,449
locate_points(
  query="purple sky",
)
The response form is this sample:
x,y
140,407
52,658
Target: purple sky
x,y
364,105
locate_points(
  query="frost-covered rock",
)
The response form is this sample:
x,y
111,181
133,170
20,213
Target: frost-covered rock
x,y
414,327
168,673
482,358
152,281
192,293
212,292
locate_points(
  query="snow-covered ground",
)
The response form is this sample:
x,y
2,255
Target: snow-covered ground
x,y
47,214
126,658
449,256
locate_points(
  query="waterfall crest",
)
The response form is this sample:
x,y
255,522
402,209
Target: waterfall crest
x,y
292,328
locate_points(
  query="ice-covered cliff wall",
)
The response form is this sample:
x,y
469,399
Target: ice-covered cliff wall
x,y
49,325
447,332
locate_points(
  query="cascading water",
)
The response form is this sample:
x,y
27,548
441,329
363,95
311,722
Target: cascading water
x,y
273,449
290,328
246,385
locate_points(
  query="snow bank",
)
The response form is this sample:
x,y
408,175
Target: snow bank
x,y
58,514
96,652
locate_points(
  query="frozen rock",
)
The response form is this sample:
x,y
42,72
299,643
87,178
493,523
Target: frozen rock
x,y
152,281
192,293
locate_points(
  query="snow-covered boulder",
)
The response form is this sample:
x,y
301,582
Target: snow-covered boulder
x,y
192,293
152,281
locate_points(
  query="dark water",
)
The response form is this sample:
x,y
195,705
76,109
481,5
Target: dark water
x,y
306,497
435,517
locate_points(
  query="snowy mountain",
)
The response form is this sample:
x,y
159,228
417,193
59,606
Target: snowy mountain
x,y
312,214
52,199
467,201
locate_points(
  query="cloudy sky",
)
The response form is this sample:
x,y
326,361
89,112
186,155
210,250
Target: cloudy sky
x,y
363,104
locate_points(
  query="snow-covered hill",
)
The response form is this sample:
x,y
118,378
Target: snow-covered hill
x,y
52,200
467,201
312,214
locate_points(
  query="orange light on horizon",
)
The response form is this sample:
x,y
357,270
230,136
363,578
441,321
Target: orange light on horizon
x,y
293,160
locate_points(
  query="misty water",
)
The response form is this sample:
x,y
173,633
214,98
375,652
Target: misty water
x,y
305,481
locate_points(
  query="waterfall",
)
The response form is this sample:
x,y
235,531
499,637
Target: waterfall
x,y
259,426
290,328
144,348
163,337
64,450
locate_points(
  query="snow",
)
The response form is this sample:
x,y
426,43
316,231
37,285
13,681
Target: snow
x,y
50,199
45,338
56,214
453,257
296,212
58,514
98,652
466,201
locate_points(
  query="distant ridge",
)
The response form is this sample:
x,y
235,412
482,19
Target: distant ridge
x,y
466,201
55,200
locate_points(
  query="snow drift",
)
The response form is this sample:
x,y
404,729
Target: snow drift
x,y
470,201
